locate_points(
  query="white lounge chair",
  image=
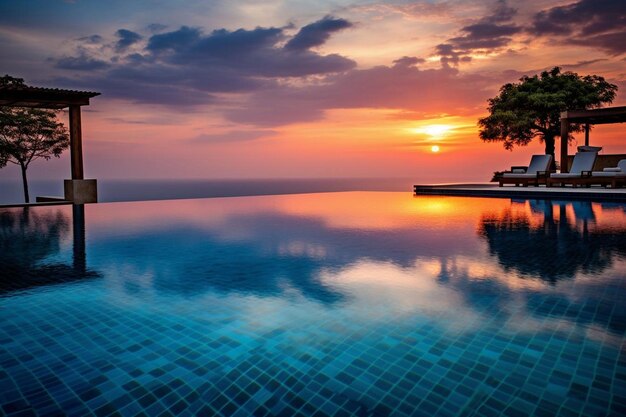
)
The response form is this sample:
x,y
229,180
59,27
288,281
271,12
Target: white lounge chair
x,y
536,173
613,176
580,172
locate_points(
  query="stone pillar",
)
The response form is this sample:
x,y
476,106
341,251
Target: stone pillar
x,y
81,191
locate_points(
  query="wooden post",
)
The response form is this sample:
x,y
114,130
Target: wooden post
x,y
78,247
564,140
586,134
76,143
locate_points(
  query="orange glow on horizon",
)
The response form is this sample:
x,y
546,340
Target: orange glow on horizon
x,y
433,130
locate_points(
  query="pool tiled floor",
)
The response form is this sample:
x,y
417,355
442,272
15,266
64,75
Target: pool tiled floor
x,y
211,322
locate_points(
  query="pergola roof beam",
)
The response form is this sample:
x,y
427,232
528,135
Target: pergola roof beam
x,y
47,98
588,117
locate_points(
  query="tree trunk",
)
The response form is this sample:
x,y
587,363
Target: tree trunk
x,y
25,182
549,142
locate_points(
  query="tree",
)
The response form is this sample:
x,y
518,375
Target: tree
x,y
27,134
532,108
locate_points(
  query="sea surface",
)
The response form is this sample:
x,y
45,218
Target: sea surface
x,y
11,192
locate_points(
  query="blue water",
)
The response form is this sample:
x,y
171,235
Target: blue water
x,y
11,192
361,303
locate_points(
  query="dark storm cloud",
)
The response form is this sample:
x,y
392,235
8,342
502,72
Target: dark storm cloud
x,y
316,33
126,39
595,23
490,33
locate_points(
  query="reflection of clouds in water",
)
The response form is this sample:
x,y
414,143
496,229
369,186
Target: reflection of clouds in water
x,y
300,248
447,291
454,276
383,291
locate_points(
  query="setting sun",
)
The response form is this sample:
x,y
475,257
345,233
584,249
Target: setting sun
x,y
434,148
435,130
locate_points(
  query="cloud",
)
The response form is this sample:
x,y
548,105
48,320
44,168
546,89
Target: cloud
x,y
254,53
594,23
408,61
403,87
81,62
173,40
489,34
485,36
126,39
584,63
410,10
450,55
316,33
93,39
188,67
233,136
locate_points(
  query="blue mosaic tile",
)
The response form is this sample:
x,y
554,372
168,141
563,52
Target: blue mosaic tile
x,y
186,317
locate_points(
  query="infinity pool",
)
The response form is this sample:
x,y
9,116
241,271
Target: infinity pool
x,y
332,304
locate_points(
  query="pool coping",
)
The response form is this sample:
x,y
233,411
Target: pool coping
x,y
38,204
494,191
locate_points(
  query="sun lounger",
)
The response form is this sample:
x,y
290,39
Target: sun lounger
x,y
580,173
535,174
614,176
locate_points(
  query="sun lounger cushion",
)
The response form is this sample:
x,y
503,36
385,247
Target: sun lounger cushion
x,y
583,161
539,163
618,171
608,174
516,175
566,175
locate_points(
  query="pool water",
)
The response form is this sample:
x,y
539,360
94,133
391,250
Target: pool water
x,y
364,303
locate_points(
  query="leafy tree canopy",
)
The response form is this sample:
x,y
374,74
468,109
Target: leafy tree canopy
x,y
532,108
27,134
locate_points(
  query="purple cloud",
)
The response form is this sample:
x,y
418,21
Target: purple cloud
x,y
490,33
81,62
595,23
126,39
404,87
199,65
316,33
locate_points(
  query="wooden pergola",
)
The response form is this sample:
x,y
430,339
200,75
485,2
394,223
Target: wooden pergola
x,y
587,118
54,98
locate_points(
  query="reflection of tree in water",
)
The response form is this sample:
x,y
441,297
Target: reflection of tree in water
x,y
27,238
555,249
594,305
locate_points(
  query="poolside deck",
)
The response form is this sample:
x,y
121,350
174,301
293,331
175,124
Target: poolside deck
x,y
541,192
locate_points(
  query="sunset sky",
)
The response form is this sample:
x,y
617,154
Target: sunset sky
x,y
273,88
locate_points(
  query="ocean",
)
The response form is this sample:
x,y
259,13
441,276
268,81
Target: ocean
x,y
140,190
